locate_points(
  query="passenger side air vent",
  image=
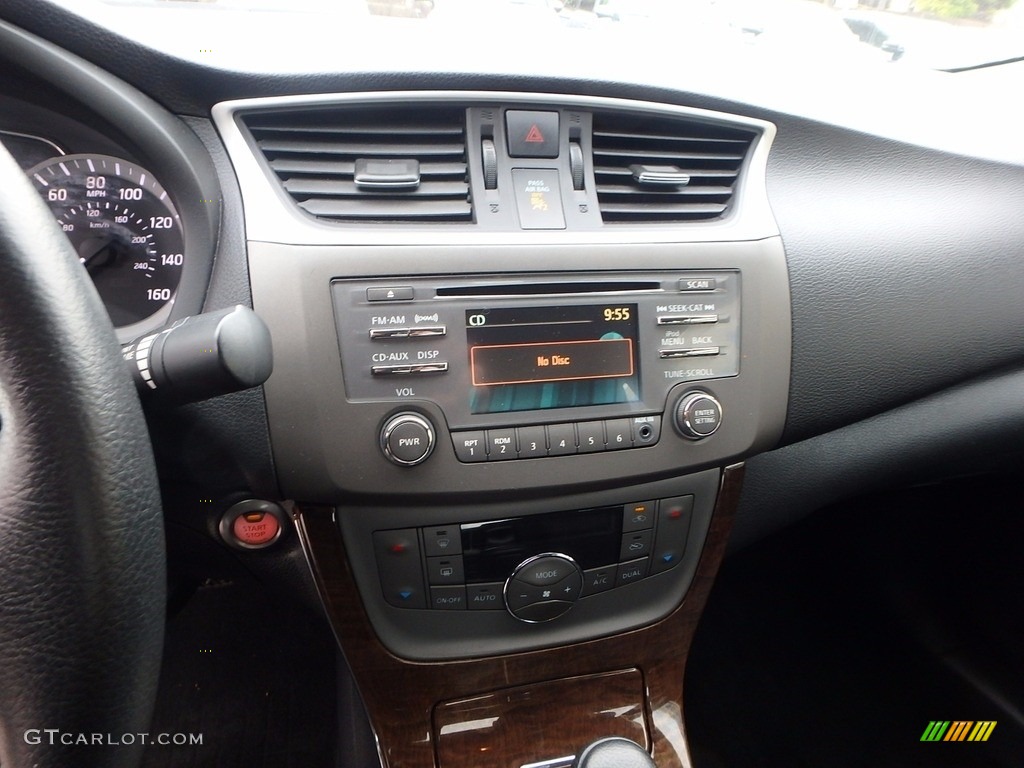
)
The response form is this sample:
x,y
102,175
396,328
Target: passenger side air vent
x,y
393,164
656,169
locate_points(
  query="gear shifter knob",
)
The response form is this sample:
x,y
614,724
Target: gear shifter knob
x,y
614,752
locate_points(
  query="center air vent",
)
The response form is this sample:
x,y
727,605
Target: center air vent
x,y
389,164
655,169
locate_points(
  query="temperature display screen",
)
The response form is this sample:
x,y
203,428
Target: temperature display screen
x,y
534,358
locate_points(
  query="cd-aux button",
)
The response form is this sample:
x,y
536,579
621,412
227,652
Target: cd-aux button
x,y
409,369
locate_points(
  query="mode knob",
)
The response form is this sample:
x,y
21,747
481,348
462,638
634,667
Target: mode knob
x,y
407,439
543,587
698,415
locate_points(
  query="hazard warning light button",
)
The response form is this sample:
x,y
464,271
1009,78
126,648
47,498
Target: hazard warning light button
x,y
532,134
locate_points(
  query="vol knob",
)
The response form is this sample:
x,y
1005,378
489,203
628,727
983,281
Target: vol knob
x,y
698,415
407,439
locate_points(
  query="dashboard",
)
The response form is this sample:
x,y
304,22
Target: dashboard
x,y
537,348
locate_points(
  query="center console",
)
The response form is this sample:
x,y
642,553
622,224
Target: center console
x,y
515,444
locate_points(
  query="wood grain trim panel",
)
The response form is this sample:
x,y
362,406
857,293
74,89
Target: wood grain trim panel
x,y
516,726
400,695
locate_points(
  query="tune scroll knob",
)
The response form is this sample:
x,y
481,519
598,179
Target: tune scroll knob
x,y
697,415
407,439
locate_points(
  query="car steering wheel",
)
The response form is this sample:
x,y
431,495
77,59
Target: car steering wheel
x,y
82,563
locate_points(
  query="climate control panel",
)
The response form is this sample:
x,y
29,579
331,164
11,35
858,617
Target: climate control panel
x,y
534,567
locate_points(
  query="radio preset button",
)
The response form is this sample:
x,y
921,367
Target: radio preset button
x,y
470,446
501,444
619,434
533,442
561,439
591,436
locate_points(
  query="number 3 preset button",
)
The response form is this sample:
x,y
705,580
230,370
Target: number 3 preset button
x,y
533,442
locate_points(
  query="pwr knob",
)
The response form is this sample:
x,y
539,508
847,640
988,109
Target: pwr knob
x,y
407,439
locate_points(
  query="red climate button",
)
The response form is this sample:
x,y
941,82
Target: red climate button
x,y
255,529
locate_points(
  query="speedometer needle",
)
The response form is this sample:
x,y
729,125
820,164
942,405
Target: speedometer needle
x,y
92,249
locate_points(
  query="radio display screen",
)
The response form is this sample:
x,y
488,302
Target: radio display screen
x,y
533,358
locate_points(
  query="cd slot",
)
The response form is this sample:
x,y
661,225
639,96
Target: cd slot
x,y
549,289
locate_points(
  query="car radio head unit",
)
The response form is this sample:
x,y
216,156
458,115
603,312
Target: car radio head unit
x,y
596,352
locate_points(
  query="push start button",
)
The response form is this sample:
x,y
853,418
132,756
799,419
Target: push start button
x,y
256,528
252,524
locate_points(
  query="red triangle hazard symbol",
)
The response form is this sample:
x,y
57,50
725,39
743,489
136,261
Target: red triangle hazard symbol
x,y
534,136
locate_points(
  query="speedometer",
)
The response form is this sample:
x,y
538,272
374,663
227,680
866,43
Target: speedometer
x,y
124,228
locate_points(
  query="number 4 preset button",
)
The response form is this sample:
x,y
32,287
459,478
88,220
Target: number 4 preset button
x,y
561,439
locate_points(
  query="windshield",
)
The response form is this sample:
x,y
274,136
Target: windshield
x,y
933,34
